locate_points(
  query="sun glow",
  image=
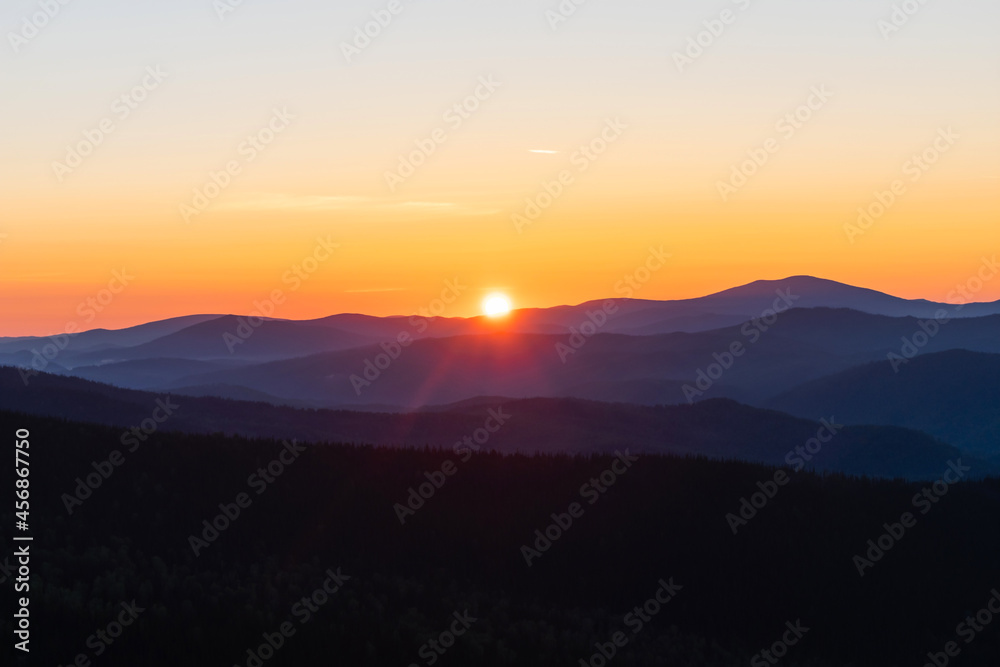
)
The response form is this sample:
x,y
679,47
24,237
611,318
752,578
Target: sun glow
x,y
496,305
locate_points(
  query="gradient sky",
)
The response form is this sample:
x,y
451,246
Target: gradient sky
x,y
323,176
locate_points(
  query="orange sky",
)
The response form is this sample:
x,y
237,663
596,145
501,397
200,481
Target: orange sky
x,y
666,140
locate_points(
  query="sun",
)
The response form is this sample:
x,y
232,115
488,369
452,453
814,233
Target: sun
x,y
496,305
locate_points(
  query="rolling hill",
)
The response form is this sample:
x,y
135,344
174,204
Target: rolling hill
x,y
952,395
720,429
800,346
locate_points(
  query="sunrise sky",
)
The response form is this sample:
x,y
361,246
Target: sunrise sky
x,y
339,126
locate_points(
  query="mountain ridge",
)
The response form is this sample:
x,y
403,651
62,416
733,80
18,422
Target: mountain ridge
x,y
720,429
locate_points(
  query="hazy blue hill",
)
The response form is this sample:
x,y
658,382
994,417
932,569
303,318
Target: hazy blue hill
x,y
720,429
535,352
802,345
96,338
149,373
953,395
213,340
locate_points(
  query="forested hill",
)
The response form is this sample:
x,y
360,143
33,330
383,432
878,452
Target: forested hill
x,y
663,519
718,428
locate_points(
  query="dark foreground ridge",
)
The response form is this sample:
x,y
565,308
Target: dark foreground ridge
x,y
211,550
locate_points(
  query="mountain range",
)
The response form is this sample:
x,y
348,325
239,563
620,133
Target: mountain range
x,y
912,370
717,428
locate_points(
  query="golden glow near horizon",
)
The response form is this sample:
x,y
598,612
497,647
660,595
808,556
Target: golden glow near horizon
x,y
205,153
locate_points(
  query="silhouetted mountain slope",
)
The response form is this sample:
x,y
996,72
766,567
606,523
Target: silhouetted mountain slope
x,y
817,292
641,317
801,345
130,336
231,337
633,317
150,373
717,429
445,370
953,395
321,364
